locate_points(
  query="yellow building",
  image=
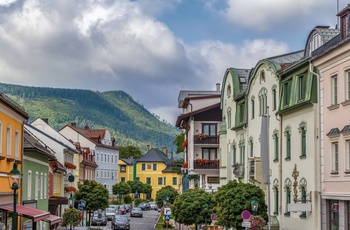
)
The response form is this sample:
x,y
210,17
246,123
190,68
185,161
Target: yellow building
x,y
155,168
125,170
12,117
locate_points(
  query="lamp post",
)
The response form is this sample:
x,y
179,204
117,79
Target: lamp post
x,y
14,180
71,201
254,205
83,203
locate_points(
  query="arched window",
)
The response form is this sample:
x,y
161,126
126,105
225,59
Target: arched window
x,y
275,188
263,102
288,190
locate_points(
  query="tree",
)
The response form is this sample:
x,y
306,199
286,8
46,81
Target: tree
x,y
179,139
95,195
164,193
121,188
130,151
233,198
71,217
136,186
147,189
194,206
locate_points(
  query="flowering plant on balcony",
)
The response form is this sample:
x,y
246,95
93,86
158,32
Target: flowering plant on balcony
x,y
184,144
257,222
200,136
70,189
69,165
202,161
216,161
185,165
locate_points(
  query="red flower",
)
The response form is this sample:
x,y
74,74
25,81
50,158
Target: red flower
x,y
184,165
70,189
184,144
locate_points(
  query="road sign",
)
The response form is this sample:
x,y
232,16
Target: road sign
x,y
212,216
246,224
246,215
167,211
166,217
80,207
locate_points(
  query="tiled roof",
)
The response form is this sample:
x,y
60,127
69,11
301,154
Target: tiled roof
x,y
154,155
31,142
333,132
288,58
346,129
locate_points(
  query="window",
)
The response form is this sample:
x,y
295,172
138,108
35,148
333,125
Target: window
x,y
122,168
229,116
45,186
41,185
275,145
303,185
241,113
253,111
105,157
335,153
241,153
345,26
301,87
334,90
8,142
138,178
302,131
347,155
160,181
275,188
164,179
36,185
29,191
274,98
17,144
174,180
262,76
288,143
209,154
154,167
229,91
263,102
148,180
143,167
209,129
213,180
251,148
122,179
288,189
347,85
97,157
112,158
348,214
286,93
234,154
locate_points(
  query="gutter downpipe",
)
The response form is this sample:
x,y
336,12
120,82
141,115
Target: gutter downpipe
x,y
319,144
280,169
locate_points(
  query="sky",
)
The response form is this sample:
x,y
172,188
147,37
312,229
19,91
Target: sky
x,y
151,49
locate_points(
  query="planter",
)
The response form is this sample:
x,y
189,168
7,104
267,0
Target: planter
x,y
70,189
69,165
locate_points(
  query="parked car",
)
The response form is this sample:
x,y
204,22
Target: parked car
x,y
127,208
136,212
145,206
99,218
122,209
153,205
110,213
120,222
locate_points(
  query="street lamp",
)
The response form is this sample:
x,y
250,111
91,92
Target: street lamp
x,y
254,205
14,180
71,201
83,203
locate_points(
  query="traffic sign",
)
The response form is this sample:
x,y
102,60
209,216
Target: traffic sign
x,y
212,216
167,211
246,215
246,224
80,206
166,217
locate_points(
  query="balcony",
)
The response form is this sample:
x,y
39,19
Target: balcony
x,y
206,140
206,164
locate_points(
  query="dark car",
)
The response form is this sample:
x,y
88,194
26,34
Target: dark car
x,y
120,222
136,212
99,218
145,206
127,208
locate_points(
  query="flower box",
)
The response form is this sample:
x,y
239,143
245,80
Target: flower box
x,y
69,165
200,136
70,189
185,165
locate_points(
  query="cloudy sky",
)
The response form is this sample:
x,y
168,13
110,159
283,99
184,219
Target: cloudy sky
x,y
150,49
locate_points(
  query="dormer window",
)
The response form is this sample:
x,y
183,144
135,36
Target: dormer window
x,y
345,25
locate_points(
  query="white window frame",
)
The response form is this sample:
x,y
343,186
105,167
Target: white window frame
x,y
36,185
8,141
41,185
335,157
347,156
334,89
17,144
29,189
347,85
45,186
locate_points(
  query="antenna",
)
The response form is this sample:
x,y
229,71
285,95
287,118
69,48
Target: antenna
x,y
337,26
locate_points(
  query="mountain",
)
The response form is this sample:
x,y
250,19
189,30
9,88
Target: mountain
x,y
128,121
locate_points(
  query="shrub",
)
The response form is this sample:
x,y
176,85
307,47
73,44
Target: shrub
x,y
127,199
138,201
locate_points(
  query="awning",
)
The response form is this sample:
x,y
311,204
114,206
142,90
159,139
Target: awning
x,y
32,213
52,219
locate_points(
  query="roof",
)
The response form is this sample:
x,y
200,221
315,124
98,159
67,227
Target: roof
x,y
187,115
31,142
154,155
13,105
127,160
288,58
33,213
184,95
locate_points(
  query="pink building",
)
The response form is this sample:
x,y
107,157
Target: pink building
x,y
333,63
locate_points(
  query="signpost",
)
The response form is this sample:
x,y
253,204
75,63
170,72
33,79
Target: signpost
x,y
166,217
167,211
246,219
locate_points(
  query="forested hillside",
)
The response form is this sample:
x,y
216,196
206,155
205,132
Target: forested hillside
x,y
128,121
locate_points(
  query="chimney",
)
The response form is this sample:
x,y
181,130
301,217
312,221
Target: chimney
x,y
113,141
217,86
46,120
147,148
86,127
165,151
73,124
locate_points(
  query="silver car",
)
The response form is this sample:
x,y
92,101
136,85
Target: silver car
x,y
136,211
110,212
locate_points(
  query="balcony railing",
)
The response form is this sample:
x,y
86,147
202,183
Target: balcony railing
x,y
206,164
206,140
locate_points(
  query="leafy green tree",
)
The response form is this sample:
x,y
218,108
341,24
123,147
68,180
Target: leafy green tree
x,y
136,186
71,217
194,206
233,198
121,188
147,188
95,195
127,199
179,139
130,151
166,193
